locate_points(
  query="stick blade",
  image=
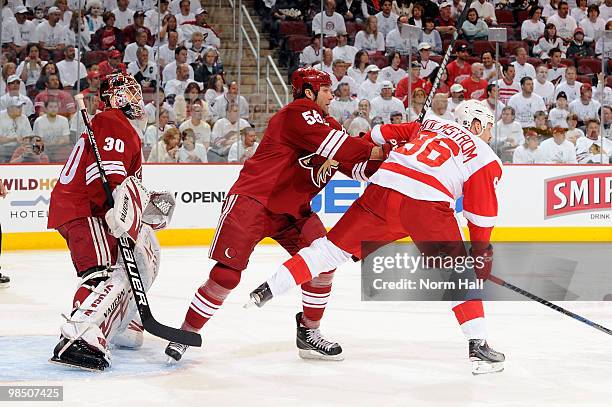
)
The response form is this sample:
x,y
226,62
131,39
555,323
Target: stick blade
x,y
172,334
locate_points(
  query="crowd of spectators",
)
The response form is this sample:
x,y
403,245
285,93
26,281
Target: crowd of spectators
x,y
51,51
547,88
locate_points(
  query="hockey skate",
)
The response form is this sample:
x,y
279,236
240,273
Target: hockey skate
x,y
175,351
78,354
5,282
312,345
484,359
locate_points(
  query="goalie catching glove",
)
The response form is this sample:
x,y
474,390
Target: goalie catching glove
x,y
134,205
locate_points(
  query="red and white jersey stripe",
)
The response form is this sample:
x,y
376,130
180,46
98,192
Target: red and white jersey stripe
x,y
443,163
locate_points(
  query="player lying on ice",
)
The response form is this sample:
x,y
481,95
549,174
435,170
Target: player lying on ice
x,y
413,194
103,311
300,151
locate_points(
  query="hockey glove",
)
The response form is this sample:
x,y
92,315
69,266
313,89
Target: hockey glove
x,y
483,261
126,216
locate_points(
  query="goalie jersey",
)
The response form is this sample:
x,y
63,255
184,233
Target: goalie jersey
x,y
442,162
78,192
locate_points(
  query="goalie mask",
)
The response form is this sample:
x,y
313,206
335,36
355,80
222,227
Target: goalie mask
x,y
121,91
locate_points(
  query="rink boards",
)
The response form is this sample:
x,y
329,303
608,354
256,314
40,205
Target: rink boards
x,y
536,203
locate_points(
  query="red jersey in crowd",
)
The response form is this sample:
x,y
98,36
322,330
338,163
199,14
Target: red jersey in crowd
x,y
456,73
402,89
78,192
475,89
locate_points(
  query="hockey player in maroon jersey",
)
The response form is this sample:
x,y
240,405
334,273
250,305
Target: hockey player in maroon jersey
x,y
301,150
413,193
102,307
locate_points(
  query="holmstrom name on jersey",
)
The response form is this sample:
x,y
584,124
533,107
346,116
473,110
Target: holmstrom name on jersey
x,y
454,132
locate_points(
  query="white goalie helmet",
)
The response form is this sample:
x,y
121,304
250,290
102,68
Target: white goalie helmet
x,y
468,110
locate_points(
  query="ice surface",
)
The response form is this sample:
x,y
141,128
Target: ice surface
x,y
398,354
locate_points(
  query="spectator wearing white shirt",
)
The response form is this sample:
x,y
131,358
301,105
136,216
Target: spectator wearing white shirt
x,y
24,27
508,133
533,28
311,54
124,16
593,148
528,152
143,69
431,36
180,57
344,51
166,51
386,19
225,132
333,22
152,16
396,42
339,75
343,104
593,25
13,89
384,104
53,128
549,41
219,106
370,88
580,11
558,150
486,11
566,24
185,13
326,64
359,121
457,96
492,96
542,86
427,65
71,70
200,128
439,107
190,151
606,10
245,147
141,41
573,133
556,70
178,85
370,39
521,66
154,132
13,127
50,34
360,64
526,103
393,72
94,15
570,86
558,115
585,107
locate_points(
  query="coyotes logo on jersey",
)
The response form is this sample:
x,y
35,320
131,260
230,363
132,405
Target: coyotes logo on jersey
x,y
321,169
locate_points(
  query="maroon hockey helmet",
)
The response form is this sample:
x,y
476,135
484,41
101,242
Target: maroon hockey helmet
x,y
308,76
122,91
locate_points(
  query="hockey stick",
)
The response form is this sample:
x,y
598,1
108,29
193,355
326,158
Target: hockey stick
x,y
549,304
126,247
449,50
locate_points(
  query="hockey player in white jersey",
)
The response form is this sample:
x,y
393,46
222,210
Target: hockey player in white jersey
x,y
413,194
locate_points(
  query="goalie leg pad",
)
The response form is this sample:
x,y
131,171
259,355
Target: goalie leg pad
x,y
110,308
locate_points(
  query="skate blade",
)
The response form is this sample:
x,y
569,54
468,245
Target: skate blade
x,y
314,355
481,367
5,285
60,362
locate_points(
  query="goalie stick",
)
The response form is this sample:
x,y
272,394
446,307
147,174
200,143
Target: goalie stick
x,y
449,50
549,304
126,247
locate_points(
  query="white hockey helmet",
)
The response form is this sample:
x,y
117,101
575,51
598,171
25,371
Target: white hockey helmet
x,y
468,110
